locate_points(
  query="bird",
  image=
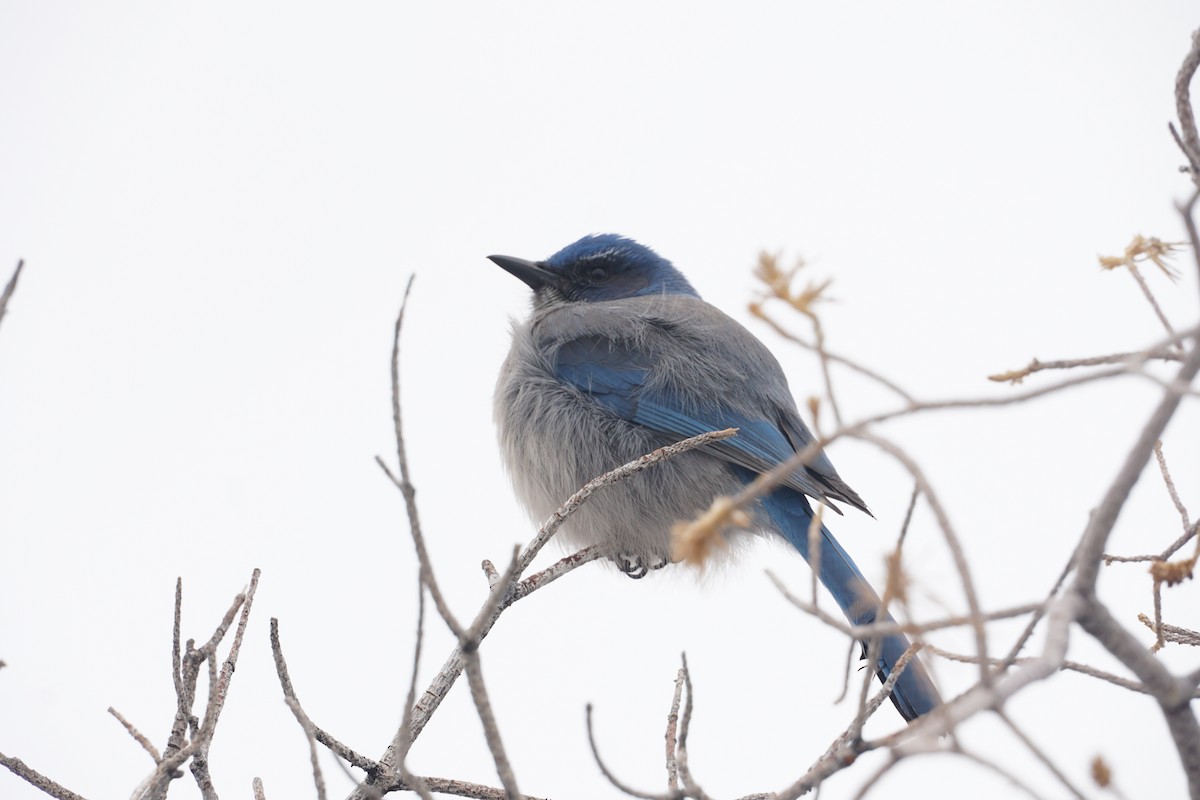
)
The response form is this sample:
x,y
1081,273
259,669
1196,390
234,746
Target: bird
x,y
620,356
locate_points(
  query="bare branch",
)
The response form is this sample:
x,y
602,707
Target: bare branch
x,y
1150,298
923,733
182,703
439,601
491,731
1170,484
1170,550
1008,775
1016,376
1189,141
404,742
758,311
177,752
309,734
1172,633
39,781
404,482
671,738
1068,666
845,749
877,775
551,526
137,735
876,629
951,538
691,788
617,783
1038,753
474,635
10,287
217,697
459,789
289,696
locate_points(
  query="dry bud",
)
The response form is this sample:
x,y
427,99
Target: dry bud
x,y
695,542
1172,572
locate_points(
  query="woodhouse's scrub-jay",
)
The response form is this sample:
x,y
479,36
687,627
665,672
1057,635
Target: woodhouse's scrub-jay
x,y
619,357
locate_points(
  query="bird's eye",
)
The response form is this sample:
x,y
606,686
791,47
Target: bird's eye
x,y
598,273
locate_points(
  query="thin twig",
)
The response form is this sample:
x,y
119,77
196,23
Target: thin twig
x,y
876,776
404,482
1067,666
671,737
1170,484
10,287
289,696
1172,633
1037,753
1189,141
1008,775
823,359
405,742
182,704
691,787
137,735
608,774
306,724
923,733
1145,287
847,746
1036,365
1156,597
491,730
39,781
177,751
843,752
409,493
1038,614
551,526
496,598
454,787
888,628
895,388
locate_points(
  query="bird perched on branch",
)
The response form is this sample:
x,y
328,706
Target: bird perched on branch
x,y
619,357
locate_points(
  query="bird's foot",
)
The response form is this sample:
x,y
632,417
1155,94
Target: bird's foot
x,y
635,566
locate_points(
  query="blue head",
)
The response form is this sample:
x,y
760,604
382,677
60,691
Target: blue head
x,y
600,267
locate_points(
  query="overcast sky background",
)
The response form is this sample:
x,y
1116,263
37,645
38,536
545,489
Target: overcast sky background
x,y
219,205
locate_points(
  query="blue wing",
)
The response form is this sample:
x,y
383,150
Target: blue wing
x,y
618,377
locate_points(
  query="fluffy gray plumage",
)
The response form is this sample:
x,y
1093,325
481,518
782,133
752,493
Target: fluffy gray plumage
x,y
555,438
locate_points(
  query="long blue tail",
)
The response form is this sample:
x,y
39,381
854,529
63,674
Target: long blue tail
x,y
914,693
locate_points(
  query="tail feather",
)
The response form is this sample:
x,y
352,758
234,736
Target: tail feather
x,y
914,693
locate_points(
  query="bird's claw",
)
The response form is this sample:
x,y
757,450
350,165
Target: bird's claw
x,y
636,567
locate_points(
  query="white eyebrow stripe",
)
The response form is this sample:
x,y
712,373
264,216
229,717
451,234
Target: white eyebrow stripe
x,y
609,253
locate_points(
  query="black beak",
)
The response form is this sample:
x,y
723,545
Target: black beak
x,y
528,271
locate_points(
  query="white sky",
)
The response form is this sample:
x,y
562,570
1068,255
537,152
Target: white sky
x,y
220,203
